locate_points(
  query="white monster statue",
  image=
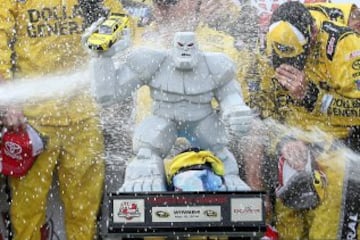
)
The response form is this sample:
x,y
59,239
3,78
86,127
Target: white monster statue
x,y
183,82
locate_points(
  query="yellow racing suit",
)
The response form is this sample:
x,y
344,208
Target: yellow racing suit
x,y
332,104
337,12
39,38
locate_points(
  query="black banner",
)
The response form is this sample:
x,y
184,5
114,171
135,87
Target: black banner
x,y
176,214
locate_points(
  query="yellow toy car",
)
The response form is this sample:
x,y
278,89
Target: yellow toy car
x,y
108,32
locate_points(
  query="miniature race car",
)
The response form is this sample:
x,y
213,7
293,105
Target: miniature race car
x,y
108,32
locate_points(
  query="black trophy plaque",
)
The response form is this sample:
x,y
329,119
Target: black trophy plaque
x,y
182,214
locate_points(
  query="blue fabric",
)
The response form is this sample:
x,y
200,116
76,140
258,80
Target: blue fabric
x,y
198,180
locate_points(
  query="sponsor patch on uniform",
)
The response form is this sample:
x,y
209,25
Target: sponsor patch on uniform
x,y
355,75
357,83
352,55
330,47
324,85
356,65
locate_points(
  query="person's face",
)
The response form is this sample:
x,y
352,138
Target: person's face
x,y
354,20
180,15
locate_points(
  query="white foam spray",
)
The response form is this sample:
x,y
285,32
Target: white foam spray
x,y
42,88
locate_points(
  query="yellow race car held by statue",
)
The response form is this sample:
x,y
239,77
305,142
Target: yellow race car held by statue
x,y
108,32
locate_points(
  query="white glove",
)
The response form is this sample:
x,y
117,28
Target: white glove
x,y
144,174
238,120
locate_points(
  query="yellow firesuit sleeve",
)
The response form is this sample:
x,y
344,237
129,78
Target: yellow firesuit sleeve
x,y
113,5
339,97
46,46
269,98
345,67
338,12
7,25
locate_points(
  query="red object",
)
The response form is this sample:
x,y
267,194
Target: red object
x,y
45,232
19,150
270,234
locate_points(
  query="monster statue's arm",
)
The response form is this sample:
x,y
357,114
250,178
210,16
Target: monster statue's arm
x,y
236,114
115,84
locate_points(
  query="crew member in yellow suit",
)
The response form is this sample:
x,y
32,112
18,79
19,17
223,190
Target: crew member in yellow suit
x,y
313,82
343,13
39,38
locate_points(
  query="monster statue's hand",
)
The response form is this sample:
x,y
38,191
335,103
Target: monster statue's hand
x,y
234,183
145,173
238,120
104,82
232,178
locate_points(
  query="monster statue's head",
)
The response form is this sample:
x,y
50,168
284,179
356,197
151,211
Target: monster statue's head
x,y
185,52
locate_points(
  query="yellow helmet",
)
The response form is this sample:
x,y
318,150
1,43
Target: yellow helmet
x,y
193,158
288,38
